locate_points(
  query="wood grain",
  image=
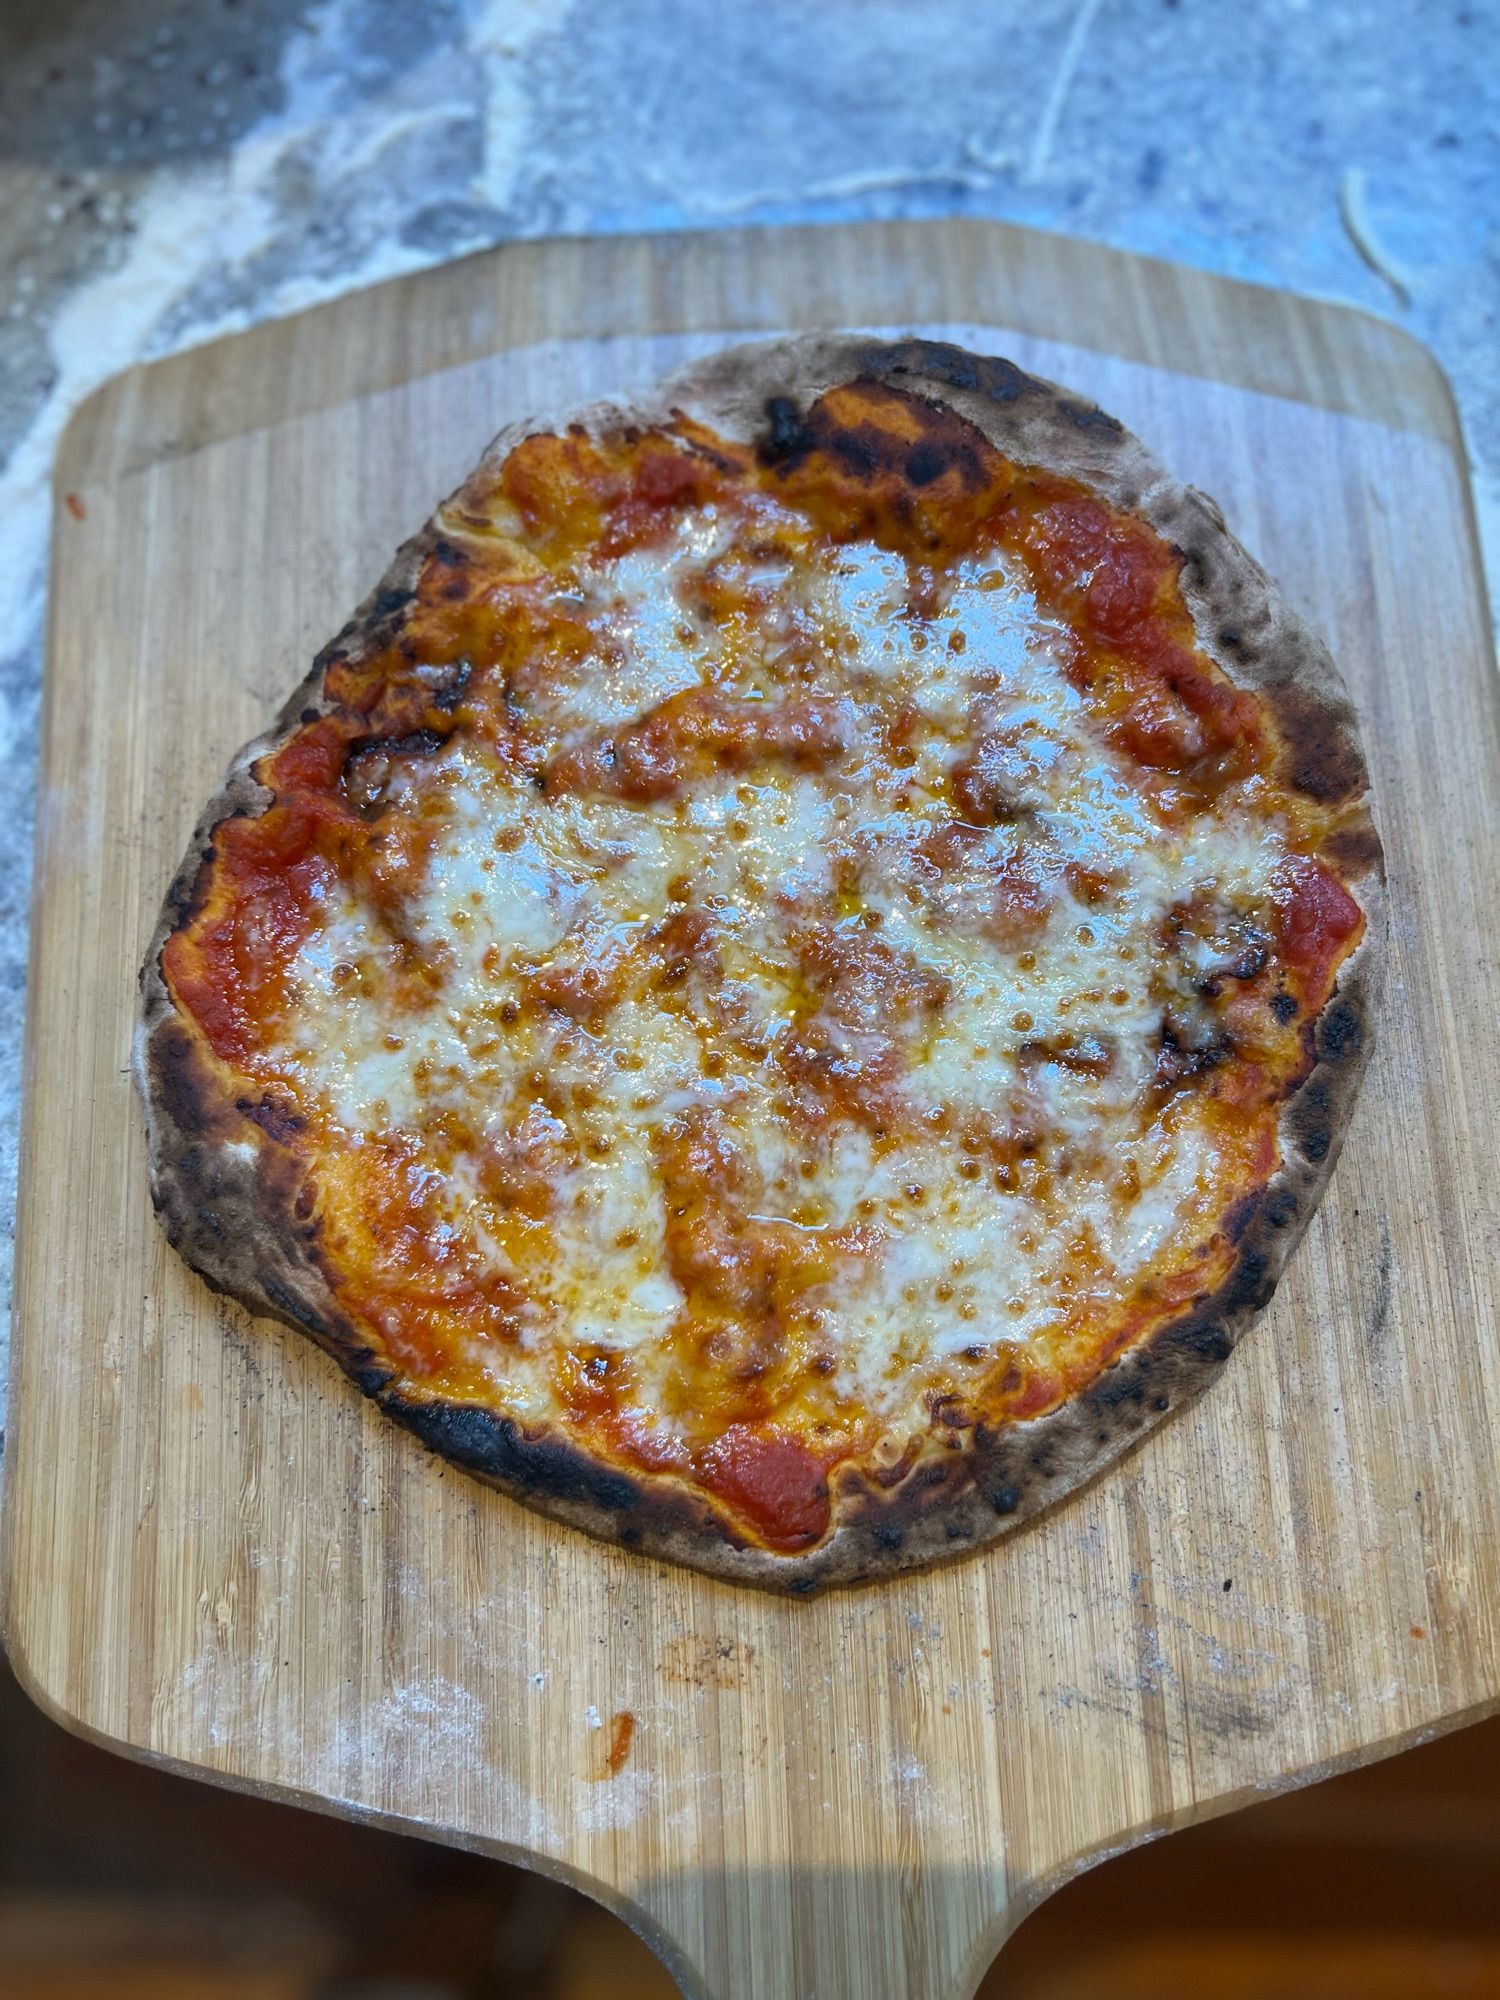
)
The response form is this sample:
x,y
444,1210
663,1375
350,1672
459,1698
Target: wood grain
x,y
220,1558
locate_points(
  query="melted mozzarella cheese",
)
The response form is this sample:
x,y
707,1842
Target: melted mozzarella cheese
x,y
946,1237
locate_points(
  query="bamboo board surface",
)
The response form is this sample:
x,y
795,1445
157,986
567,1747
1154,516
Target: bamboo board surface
x,y
220,1558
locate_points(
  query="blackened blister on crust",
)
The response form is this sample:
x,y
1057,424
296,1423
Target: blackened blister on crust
x,y
1340,1032
1310,1118
1279,1207
1116,1386
1322,764
1211,1342
231,1197
182,1085
1252,1282
1355,849
1088,417
925,463
1241,1215
997,380
785,442
498,1448
868,450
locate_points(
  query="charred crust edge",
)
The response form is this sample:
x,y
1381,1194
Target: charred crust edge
x,y
226,1191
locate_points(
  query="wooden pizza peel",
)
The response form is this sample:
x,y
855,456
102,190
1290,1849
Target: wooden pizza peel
x,y
221,1560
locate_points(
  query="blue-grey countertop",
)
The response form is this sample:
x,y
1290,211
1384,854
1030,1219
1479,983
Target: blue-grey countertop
x,y
173,169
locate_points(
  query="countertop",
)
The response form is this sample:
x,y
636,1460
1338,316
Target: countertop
x,y
175,169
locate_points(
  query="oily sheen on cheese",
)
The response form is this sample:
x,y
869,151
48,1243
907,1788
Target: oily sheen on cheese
x,y
758,984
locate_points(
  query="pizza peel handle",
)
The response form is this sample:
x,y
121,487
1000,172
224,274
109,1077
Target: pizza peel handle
x,y
219,1559
899,1933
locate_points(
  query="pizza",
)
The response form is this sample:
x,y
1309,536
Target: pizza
x,y
785,988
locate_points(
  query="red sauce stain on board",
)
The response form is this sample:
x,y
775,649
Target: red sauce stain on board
x,y
75,506
621,1736
1419,1631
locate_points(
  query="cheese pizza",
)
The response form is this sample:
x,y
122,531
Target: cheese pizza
x,y
787,985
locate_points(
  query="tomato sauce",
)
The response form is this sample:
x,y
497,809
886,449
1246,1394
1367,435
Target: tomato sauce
x,y
1316,921
772,1479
